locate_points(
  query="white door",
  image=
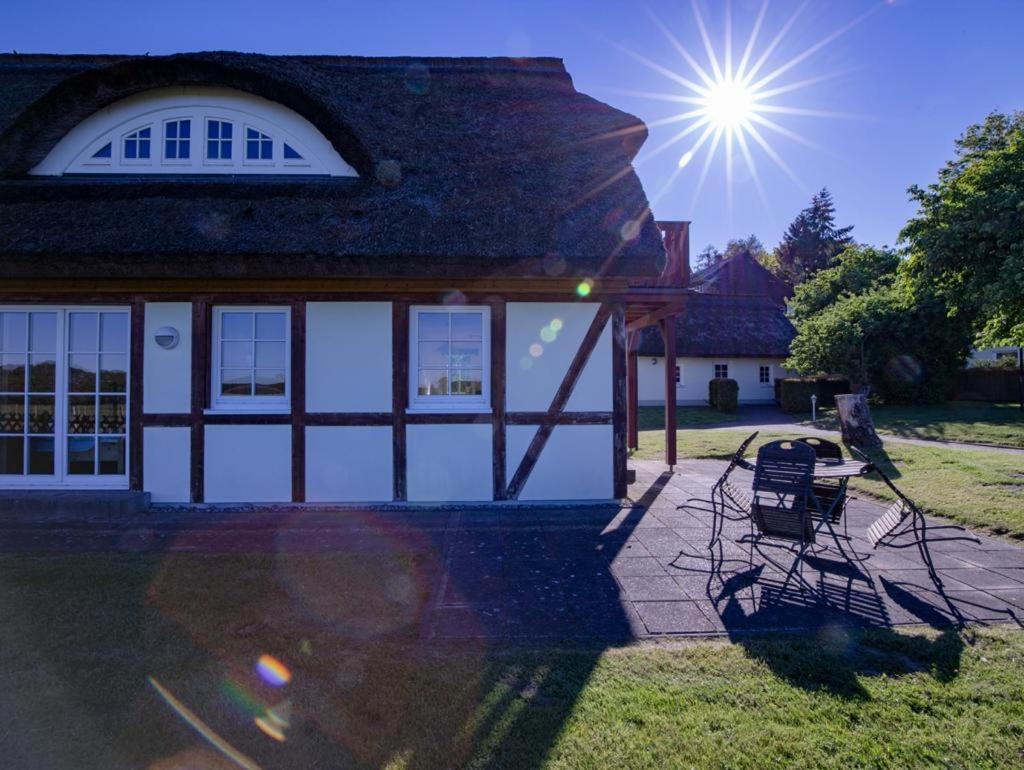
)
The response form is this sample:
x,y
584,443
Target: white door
x,y
64,397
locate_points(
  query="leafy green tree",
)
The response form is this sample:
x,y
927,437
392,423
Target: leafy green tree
x,y
812,241
750,245
856,270
967,241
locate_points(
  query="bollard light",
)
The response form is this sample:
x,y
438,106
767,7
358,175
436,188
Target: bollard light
x,y
814,407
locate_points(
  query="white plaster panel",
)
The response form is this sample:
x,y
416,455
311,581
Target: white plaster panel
x,y
348,357
349,464
696,372
167,374
577,462
449,463
248,463
166,454
533,381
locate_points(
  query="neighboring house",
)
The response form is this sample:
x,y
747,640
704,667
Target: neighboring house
x,y
990,356
734,325
242,278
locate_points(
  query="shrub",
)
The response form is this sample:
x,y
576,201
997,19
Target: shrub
x,y
724,395
794,393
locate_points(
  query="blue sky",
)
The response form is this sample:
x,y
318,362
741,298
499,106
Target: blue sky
x,y
909,75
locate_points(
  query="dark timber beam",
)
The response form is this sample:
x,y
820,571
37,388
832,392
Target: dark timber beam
x,y
655,316
618,321
632,408
668,335
399,392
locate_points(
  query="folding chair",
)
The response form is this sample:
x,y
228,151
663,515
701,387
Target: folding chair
x,y
831,493
725,489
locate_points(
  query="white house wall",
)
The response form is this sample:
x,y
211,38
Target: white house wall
x,y
248,463
449,463
166,461
696,372
348,357
576,463
349,464
167,374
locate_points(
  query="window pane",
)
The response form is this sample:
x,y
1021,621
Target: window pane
x,y
433,354
41,415
225,130
12,373
270,326
82,332
81,414
42,373
112,414
252,150
211,150
212,127
290,153
236,355
111,456
171,149
467,355
270,382
236,382
236,326
13,334
185,128
433,382
171,130
130,150
40,455
12,454
12,414
467,326
143,148
183,151
80,455
43,337
270,355
113,373
103,152
468,383
433,326
82,373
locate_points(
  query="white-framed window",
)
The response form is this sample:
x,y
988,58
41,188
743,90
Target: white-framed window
x,y
764,374
721,371
250,360
450,352
258,145
679,374
177,140
135,147
219,134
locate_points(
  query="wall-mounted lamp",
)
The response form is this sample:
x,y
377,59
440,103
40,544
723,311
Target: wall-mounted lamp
x,y
166,337
654,362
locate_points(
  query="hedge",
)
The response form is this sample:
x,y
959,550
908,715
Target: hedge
x,y
793,394
724,395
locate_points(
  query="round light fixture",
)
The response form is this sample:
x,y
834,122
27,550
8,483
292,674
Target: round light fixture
x,y
166,337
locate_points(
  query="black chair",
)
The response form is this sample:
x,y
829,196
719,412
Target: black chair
x,y
737,499
831,493
783,498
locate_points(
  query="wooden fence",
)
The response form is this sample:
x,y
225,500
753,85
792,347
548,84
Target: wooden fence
x,y
986,385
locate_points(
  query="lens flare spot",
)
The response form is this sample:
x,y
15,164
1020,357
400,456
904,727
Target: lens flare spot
x,y
272,671
556,324
584,287
547,334
685,158
536,350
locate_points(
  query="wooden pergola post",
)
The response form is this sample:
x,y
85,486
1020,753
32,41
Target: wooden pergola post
x,y
668,335
632,398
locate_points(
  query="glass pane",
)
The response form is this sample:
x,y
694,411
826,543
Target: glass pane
x,y
290,153
143,148
467,326
433,326
144,133
12,454
171,131
225,130
270,355
113,372
185,128
170,149
81,414
40,455
211,129
433,382
252,150
114,332
43,337
236,326
13,332
80,455
82,332
211,149
433,354
270,382
102,152
12,373
42,373
236,382
82,373
41,414
112,414
130,150
468,383
236,355
270,326
12,414
467,354
183,151
111,456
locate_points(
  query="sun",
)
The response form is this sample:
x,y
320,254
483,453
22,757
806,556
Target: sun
x,y
729,104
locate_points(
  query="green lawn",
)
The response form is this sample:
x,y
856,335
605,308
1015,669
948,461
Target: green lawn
x,y
82,636
968,421
975,487
653,417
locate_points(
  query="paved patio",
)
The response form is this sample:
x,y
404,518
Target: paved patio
x,y
603,574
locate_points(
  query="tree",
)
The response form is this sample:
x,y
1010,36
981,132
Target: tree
x,y
856,270
966,243
750,245
812,241
707,256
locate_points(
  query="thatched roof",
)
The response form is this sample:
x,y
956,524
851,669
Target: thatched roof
x,y
741,274
468,167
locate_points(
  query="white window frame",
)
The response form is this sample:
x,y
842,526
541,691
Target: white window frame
x,y
232,142
714,371
191,141
767,383
220,404
136,161
472,404
61,478
276,147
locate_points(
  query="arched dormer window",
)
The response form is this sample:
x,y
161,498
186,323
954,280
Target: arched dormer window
x,y
194,131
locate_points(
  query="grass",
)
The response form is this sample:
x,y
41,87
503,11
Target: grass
x,y
982,489
653,417
82,633
964,421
